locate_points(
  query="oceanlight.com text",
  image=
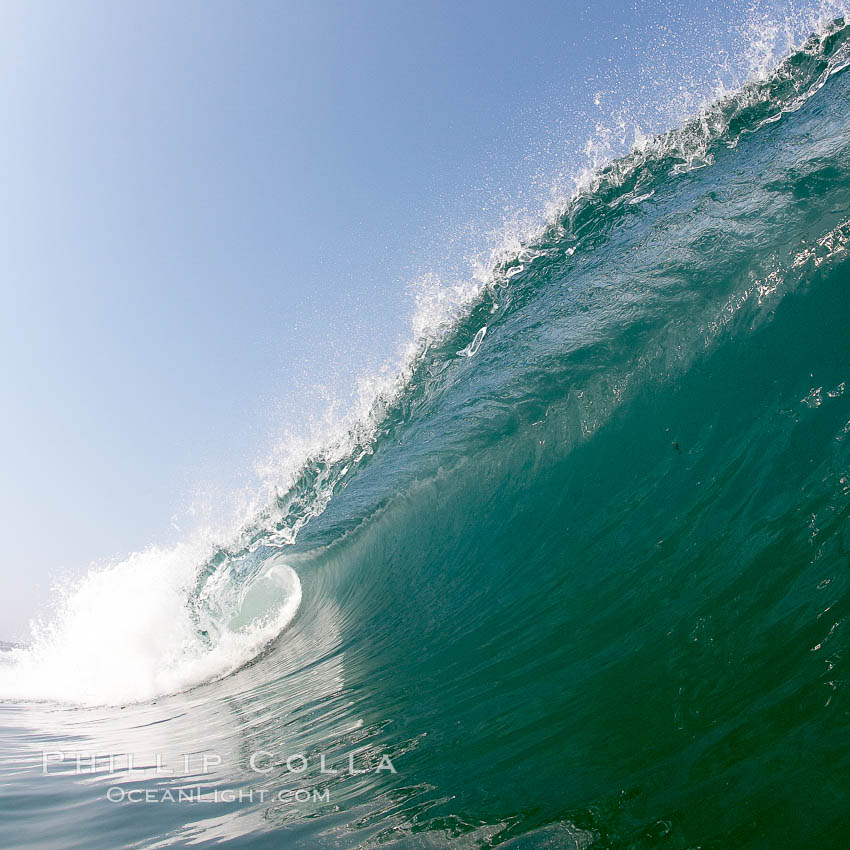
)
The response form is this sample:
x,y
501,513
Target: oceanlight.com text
x,y
197,794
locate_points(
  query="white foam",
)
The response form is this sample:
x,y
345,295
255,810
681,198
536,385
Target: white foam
x,y
125,634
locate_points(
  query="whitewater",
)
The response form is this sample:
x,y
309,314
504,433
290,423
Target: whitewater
x,y
575,568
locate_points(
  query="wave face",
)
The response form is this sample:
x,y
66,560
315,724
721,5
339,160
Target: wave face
x,y
582,575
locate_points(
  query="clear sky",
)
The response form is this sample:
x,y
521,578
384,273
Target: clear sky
x,y
209,209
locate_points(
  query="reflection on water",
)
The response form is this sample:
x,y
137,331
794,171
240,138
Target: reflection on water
x,y
255,752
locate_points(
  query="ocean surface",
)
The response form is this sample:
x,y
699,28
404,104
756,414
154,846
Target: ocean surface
x,y
578,578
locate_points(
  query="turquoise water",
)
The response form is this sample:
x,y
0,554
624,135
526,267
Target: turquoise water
x,y
582,581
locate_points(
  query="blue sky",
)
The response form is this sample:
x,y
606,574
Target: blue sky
x,y
210,209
